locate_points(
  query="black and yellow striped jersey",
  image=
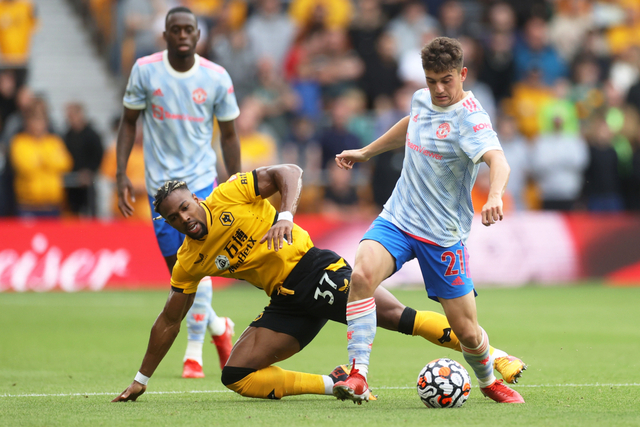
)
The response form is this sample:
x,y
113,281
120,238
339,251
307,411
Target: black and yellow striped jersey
x,y
237,218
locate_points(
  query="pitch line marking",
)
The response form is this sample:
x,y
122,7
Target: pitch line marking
x,y
375,388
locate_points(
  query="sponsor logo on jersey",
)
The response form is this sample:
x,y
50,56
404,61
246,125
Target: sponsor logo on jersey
x,y
160,113
199,96
226,218
443,130
423,150
222,262
481,126
158,92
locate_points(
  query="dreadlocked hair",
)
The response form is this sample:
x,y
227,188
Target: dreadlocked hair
x,y
442,54
164,191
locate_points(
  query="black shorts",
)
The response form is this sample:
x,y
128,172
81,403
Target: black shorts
x,y
318,295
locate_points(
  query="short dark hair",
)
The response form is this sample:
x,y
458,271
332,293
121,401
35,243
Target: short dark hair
x,y
164,191
442,54
178,9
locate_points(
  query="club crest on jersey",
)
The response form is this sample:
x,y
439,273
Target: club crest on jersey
x,y
199,96
226,218
222,262
443,130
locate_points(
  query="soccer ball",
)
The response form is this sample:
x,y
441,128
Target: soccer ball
x,y
444,383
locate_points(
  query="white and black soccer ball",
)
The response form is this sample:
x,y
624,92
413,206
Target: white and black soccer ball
x,y
444,383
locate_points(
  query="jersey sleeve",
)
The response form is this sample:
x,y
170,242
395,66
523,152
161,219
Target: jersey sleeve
x,y
226,107
477,135
241,188
135,96
183,282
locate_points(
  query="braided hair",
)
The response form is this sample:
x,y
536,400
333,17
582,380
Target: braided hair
x,y
164,191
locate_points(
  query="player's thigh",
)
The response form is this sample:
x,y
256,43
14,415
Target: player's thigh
x,y
258,348
383,250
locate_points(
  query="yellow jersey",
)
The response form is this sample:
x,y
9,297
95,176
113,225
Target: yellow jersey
x,y
237,218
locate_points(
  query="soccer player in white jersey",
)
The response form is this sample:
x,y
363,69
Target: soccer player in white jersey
x,y
178,94
428,217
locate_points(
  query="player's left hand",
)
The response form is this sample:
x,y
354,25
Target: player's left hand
x,y
132,392
492,211
281,230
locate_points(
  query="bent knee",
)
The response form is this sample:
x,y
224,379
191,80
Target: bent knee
x,y
363,278
232,376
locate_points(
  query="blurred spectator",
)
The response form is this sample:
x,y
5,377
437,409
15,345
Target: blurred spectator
x,y
502,18
624,71
278,99
560,106
140,18
387,166
339,67
15,122
558,161
8,93
452,20
85,147
410,68
135,173
602,179
367,25
17,24
517,152
234,53
632,193
257,145
535,52
302,148
271,32
381,71
340,194
409,27
361,123
586,92
529,96
329,13
40,161
627,34
302,70
570,23
336,137
498,69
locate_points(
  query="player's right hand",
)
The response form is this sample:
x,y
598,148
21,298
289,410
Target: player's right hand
x,y
125,192
347,158
132,392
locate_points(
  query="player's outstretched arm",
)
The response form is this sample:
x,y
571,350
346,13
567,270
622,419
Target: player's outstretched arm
x,y
287,180
499,171
230,146
393,138
163,333
124,144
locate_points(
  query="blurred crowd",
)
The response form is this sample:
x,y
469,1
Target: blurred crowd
x,y
559,78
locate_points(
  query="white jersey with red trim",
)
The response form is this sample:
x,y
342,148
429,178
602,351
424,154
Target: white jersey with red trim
x,y
178,111
432,198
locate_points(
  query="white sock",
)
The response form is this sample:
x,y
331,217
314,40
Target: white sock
x,y
363,369
217,326
194,351
497,353
328,385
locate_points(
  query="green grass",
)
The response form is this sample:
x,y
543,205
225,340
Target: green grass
x,y
78,351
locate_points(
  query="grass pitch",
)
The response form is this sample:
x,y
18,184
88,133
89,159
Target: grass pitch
x,y
63,357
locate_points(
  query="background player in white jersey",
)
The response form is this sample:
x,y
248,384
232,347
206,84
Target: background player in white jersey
x,y
178,94
429,215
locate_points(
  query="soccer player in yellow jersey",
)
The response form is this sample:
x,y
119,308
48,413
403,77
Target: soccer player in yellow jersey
x,y
237,233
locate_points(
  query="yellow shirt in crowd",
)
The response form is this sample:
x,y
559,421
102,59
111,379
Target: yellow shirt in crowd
x,y
17,22
237,218
40,165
